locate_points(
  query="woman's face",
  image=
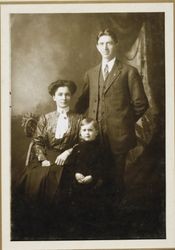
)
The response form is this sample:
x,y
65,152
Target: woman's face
x,y
62,97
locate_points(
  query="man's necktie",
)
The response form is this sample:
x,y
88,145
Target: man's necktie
x,y
106,72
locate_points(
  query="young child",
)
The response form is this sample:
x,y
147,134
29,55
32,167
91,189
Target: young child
x,y
87,158
85,172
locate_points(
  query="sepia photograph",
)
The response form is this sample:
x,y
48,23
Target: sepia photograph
x,y
87,108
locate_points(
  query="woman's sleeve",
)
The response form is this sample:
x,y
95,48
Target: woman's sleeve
x,y
40,139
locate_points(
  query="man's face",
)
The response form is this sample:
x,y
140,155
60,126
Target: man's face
x,y
107,47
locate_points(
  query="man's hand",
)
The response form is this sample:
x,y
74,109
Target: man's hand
x,y
45,163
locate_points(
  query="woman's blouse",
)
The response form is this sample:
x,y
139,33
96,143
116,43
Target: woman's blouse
x,y
44,138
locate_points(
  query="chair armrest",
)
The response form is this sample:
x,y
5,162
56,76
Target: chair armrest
x,y
29,123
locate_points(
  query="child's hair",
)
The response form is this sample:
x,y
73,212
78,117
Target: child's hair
x,y
88,120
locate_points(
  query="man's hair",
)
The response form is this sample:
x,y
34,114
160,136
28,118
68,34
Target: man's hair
x,y
88,120
107,32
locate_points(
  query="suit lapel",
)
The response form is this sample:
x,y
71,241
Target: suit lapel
x,y
114,74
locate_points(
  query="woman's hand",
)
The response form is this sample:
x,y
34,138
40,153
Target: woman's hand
x,y
60,160
45,163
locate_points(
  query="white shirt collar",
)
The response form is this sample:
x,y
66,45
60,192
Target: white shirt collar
x,y
109,63
63,110
62,122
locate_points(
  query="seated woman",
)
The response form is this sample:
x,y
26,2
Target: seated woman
x,y
56,134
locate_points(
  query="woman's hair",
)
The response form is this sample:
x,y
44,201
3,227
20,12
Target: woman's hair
x,y
62,83
88,120
107,32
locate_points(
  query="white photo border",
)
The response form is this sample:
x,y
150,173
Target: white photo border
x,y
6,10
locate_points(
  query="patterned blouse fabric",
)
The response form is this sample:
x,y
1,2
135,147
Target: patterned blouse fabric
x,y
44,137
41,183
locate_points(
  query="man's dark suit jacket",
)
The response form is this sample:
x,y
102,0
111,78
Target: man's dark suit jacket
x,y
124,103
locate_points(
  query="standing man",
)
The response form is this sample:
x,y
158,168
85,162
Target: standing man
x,y
114,95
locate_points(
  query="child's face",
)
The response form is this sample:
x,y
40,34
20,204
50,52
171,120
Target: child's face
x,y
88,132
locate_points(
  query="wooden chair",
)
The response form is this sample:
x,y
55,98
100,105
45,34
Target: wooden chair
x,y
29,123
